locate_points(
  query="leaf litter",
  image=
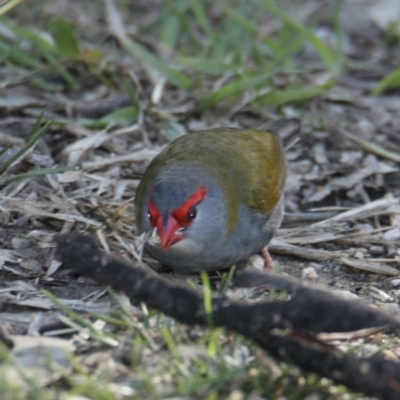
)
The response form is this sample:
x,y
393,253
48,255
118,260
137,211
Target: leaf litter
x,y
345,161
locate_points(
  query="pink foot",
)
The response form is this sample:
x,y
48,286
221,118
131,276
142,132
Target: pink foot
x,y
268,263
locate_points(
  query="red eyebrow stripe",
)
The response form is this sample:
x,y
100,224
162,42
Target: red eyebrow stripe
x,y
154,213
180,214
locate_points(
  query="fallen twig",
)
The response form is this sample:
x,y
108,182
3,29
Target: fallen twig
x,y
283,328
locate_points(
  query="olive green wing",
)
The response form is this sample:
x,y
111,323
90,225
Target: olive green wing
x,y
249,164
265,171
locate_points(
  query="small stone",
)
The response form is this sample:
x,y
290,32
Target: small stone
x,y
359,254
255,262
365,128
236,395
19,243
392,250
337,270
393,234
317,266
395,282
376,250
309,274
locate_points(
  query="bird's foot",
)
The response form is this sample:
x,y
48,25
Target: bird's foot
x,y
268,263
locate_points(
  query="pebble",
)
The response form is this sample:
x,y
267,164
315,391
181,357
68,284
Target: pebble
x,y
359,255
309,274
395,282
393,234
376,250
255,262
19,243
236,395
317,266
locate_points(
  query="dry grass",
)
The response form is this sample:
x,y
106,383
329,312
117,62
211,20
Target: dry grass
x,y
114,82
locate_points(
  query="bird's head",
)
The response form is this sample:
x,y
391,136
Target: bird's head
x,y
183,202
171,222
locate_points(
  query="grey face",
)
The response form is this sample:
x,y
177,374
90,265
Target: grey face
x,y
172,190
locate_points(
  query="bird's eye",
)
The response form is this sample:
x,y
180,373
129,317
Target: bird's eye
x,y
192,213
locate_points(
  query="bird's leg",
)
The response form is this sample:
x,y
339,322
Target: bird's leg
x,y
268,263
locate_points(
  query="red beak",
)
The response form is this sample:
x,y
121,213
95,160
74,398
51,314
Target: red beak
x,y
167,225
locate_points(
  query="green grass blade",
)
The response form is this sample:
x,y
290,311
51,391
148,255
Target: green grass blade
x,y
131,92
330,59
124,116
35,128
46,86
6,148
171,130
322,49
34,136
174,20
169,340
146,57
202,19
33,174
206,65
205,280
244,22
374,148
231,89
35,39
226,280
390,81
338,28
47,51
99,335
170,29
280,97
63,35
19,57
213,334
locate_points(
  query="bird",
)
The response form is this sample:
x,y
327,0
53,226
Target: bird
x,y
213,198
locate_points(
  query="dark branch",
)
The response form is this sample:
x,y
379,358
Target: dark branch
x,y
283,328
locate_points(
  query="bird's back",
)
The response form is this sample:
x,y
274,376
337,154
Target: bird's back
x,y
249,165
